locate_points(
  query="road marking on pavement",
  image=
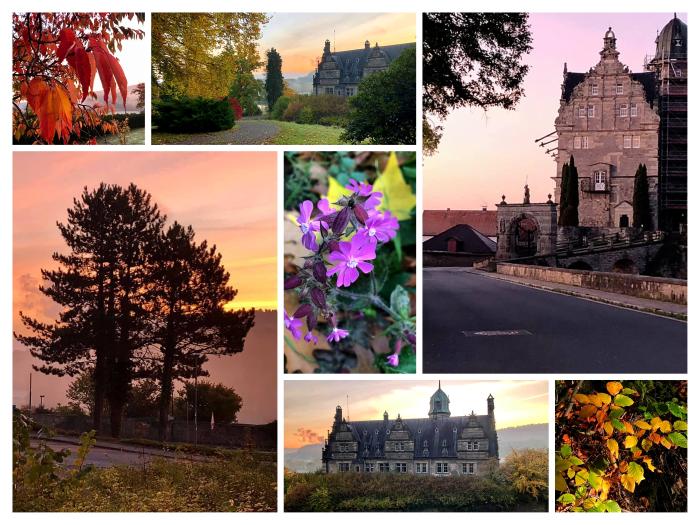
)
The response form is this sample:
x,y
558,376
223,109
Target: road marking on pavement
x,y
492,333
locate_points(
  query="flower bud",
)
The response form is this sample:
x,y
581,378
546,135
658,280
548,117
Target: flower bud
x,y
411,338
333,246
341,221
303,311
293,282
360,213
311,322
318,297
320,273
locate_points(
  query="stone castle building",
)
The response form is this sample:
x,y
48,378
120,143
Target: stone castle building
x,y
340,72
608,123
611,120
438,445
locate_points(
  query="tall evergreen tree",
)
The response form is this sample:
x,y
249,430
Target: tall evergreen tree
x,y
274,82
98,286
564,188
189,291
641,207
570,213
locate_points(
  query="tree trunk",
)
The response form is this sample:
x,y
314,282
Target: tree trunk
x,y
166,390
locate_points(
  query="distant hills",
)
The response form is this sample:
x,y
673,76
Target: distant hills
x,y
302,85
308,457
131,100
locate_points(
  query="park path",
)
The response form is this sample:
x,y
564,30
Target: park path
x,y
244,132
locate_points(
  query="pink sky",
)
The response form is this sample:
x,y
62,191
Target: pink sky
x,y
228,198
484,155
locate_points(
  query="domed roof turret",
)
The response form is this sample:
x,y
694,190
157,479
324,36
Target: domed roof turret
x,y
439,404
609,33
672,41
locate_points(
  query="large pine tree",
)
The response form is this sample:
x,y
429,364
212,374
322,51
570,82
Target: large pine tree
x,y
641,207
98,286
274,82
189,292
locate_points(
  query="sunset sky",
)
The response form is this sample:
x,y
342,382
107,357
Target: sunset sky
x,y
310,405
484,155
228,198
299,37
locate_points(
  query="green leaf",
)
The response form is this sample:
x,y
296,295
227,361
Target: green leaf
x,y
635,471
680,425
567,499
612,506
560,483
565,451
575,461
623,401
618,424
401,302
594,480
678,439
616,413
676,410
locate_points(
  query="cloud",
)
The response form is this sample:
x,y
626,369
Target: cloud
x,y
305,435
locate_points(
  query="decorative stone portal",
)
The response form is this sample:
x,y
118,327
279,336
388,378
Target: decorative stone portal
x,y
525,230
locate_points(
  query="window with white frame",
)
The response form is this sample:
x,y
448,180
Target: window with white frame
x,y
618,89
329,91
633,110
343,467
468,468
636,141
580,142
600,178
627,141
399,446
349,91
577,142
441,468
594,89
584,142
369,467
582,112
421,468
400,467
591,111
383,467
476,445
622,110
469,445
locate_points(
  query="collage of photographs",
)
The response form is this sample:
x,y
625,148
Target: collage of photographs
x,y
219,302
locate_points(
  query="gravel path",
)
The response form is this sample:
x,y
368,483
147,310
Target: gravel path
x,y
244,132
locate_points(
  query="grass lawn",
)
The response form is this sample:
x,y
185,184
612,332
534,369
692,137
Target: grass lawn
x,y
293,133
135,137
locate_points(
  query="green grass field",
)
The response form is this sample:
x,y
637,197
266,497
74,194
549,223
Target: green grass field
x,y
293,133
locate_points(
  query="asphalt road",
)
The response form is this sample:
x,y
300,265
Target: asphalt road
x,y
100,457
473,323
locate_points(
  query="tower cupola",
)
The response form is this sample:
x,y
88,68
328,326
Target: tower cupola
x,y
439,404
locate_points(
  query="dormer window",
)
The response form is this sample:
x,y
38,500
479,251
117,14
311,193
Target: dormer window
x,y
618,89
594,89
444,442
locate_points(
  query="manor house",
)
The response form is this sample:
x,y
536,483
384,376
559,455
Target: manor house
x,y
340,72
438,445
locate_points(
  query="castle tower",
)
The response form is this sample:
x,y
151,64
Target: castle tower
x,y
439,405
493,444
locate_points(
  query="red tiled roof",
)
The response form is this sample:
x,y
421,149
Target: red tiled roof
x,y
437,221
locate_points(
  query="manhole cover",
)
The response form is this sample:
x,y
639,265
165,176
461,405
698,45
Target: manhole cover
x,y
494,333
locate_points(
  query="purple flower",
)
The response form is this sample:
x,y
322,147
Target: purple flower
x,y
393,360
337,334
380,227
374,200
350,257
324,207
308,226
310,338
363,189
293,325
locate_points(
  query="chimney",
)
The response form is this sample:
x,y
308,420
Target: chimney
x,y
367,44
386,416
483,208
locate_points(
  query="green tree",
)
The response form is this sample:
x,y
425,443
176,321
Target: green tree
x,y
570,213
223,401
641,207
244,87
274,82
81,392
384,109
189,292
194,54
564,188
472,59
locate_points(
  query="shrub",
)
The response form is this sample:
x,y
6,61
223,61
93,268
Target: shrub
x,y
306,116
192,115
279,108
235,107
291,114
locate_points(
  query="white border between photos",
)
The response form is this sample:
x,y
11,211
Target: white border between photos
x,y
315,6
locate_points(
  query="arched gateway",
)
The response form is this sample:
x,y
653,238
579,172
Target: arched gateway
x,y
525,230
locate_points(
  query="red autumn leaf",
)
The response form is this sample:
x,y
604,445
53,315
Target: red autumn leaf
x,y
109,70
66,43
119,77
35,93
55,113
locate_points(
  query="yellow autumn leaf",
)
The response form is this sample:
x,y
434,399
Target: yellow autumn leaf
x,y
665,426
646,444
613,447
640,423
607,426
336,191
582,398
655,423
629,429
627,482
630,441
666,443
587,411
604,398
613,387
649,464
397,195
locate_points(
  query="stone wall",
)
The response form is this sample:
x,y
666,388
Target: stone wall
x,y
452,259
656,288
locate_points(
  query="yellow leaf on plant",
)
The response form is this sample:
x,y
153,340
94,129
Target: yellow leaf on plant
x,y
587,411
614,448
640,423
397,195
336,191
604,398
614,387
582,398
628,427
607,426
666,443
627,482
665,427
649,464
655,423
646,444
630,441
